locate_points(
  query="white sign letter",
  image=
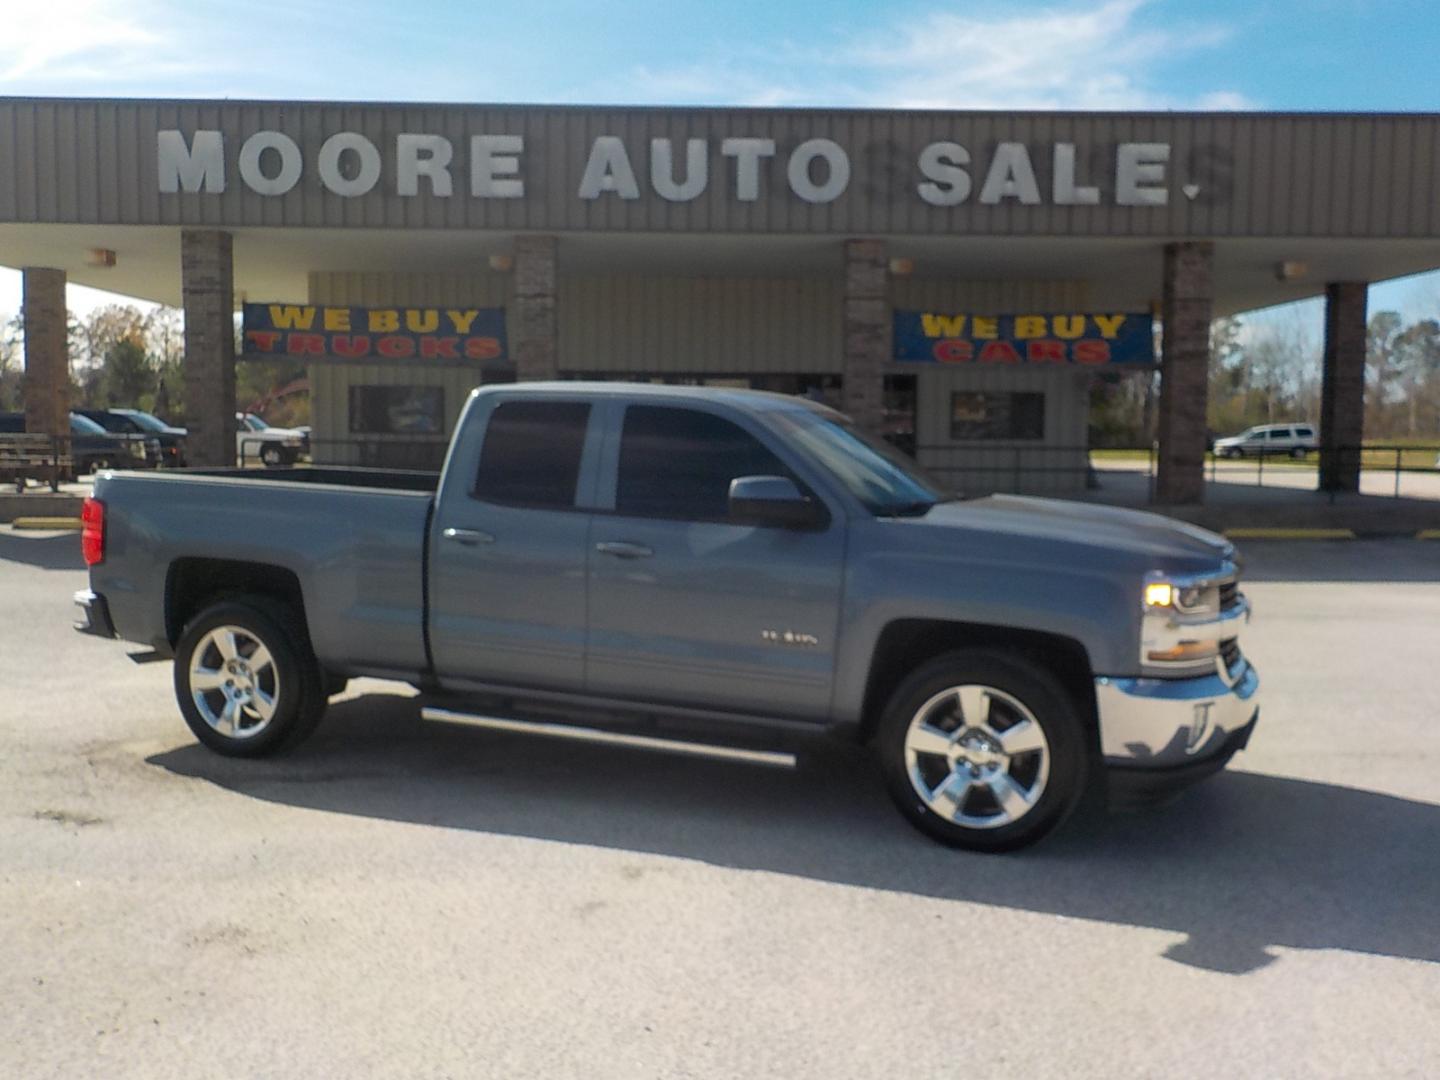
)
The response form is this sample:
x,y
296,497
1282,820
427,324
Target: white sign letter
x,y
1141,163
609,170
1011,176
495,165
747,154
190,168
943,166
799,171
422,155
1066,193
366,177
290,163
662,170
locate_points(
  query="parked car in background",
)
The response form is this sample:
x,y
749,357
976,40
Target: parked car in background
x,y
93,448
1296,440
136,422
273,446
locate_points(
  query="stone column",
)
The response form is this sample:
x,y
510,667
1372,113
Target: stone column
x,y
207,282
47,353
1342,388
867,332
1184,364
532,330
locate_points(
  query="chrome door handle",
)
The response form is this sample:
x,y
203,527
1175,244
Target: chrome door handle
x,y
468,537
623,549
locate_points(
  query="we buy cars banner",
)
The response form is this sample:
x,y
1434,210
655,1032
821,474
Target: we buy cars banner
x,y
1090,339
317,333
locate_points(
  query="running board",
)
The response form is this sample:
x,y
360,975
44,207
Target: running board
x,y
615,738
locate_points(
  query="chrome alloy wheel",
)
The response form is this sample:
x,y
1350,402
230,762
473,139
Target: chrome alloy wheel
x,y
977,756
234,682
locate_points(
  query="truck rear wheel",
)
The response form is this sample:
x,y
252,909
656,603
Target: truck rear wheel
x,y
246,680
983,750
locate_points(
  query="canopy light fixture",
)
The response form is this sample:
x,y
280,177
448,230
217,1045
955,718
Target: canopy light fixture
x,y
102,257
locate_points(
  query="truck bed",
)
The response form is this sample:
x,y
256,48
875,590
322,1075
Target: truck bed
x,y
354,539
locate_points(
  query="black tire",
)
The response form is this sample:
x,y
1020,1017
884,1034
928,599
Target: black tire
x,y
96,464
1298,453
1055,775
272,456
293,682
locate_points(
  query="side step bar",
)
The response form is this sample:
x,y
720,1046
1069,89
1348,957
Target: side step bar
x,y
587,734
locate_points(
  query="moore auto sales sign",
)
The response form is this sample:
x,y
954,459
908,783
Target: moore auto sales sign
x,y
493,165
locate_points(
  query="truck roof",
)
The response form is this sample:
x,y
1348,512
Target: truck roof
x,y
760,400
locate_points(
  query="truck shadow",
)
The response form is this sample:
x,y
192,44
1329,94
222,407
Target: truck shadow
x,y
1239,866
47,551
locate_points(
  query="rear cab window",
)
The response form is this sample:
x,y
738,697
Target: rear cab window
x,y
531,454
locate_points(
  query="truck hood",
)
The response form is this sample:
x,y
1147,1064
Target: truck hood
x,y
1159,540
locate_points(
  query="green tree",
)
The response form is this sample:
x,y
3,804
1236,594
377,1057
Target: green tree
x,y
129,378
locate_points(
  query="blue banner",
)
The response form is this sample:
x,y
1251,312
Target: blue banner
x,y
1089,340
315,332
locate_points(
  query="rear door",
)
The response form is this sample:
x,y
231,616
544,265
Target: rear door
x,y
508,547
687,607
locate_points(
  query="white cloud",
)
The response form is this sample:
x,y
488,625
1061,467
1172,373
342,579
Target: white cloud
x,y
1100,55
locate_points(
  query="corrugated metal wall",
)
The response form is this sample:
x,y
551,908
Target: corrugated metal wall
x,y
661,325
977,467
330,383
1252,174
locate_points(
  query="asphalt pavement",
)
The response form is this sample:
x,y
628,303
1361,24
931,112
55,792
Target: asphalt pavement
x,y
407,898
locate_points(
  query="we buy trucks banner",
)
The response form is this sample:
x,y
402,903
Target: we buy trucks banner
x,y
317,333
1085,339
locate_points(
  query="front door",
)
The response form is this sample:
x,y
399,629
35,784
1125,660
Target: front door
x,y
687,607
508,549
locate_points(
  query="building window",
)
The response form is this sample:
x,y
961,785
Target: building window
x,y
678,463
397,410
531,454
992,416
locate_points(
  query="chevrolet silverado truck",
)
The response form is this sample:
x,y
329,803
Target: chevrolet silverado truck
x,y
702,568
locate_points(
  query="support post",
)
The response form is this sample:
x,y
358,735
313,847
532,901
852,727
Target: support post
x,y
1342,388
1187,299
533,334
47,352
867,332
207,278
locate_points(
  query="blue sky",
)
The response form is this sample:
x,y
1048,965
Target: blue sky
x,y
1366,55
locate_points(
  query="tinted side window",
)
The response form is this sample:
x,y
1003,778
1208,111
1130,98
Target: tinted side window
x,y
678,463
1304,433
531,454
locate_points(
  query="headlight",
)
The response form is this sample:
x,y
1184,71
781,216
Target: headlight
x,y
1182,598
137,450
291,442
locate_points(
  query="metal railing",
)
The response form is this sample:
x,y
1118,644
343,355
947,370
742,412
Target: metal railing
x,y
1016,467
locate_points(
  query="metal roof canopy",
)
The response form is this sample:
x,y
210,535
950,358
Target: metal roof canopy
x,y
1349,196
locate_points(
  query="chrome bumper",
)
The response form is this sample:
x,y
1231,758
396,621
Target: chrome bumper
x,y
1161,723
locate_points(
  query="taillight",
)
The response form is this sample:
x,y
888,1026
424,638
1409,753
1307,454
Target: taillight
x,y
92,531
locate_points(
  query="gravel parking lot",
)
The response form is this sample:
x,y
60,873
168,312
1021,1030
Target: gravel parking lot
x,y
405,898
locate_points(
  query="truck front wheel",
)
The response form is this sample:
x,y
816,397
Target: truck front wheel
x,y
983,750
246,681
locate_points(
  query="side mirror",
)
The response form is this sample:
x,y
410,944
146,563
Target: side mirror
x,y
774,501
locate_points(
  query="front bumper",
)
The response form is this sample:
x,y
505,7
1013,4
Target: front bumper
x,y
1171,732
94,617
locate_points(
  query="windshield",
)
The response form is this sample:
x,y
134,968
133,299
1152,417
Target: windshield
x,y
83,425
148,422
254,423
886,481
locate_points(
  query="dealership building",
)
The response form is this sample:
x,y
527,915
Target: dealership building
x,y
952,280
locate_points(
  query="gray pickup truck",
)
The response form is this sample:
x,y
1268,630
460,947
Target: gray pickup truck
x,y
724,567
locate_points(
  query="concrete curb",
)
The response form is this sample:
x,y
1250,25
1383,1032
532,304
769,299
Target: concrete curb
x,y
46,523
